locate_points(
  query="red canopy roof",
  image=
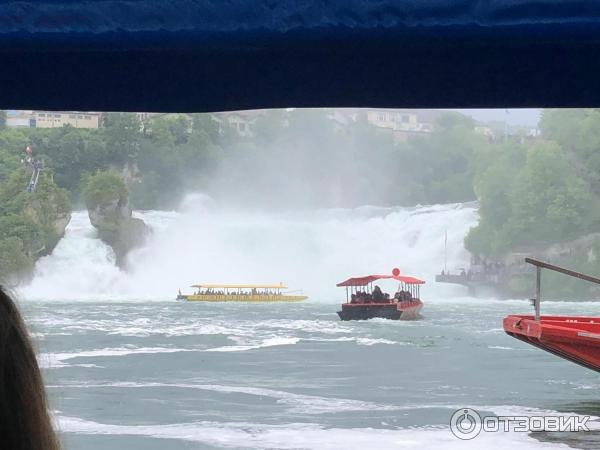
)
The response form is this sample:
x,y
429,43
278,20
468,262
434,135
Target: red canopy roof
x,y
363,281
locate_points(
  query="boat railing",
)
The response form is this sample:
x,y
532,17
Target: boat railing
x,y
539,265
246,297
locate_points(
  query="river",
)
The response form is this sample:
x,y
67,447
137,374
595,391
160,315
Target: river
x,y
127,367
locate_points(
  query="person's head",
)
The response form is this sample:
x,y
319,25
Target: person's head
x,y
24,420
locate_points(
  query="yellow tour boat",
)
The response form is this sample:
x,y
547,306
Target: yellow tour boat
x,y
240,293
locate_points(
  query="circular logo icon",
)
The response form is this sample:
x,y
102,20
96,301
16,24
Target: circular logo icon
x,y
465,423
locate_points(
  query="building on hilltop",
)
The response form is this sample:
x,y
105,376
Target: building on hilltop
x,y
404,123
243,122
57,119
52,119
19,119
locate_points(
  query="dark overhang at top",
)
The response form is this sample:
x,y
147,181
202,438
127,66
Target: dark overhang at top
x,y
186,55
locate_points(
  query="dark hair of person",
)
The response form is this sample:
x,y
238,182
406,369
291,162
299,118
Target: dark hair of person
x,y
24,419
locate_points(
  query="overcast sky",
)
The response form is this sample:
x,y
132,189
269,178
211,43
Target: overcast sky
x,y
523,116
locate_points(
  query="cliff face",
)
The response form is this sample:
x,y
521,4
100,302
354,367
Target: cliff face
x,y
111,215
50,218
583,245
510,277
31,223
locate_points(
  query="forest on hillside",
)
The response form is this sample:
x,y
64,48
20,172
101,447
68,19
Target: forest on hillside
x,y
301,157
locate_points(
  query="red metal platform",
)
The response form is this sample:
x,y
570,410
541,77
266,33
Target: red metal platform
x,y
574,338
571,337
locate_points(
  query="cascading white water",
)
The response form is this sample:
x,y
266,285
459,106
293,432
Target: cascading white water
x,y
309,250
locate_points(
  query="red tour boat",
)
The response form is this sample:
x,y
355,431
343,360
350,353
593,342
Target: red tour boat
x,y
574,338
365,302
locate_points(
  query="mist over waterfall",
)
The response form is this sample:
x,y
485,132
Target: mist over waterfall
x,y
307,250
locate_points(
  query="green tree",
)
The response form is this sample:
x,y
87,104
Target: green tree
x,y
28,221
102,188
122,134
14,262
549,202
494,176
529,202
170,130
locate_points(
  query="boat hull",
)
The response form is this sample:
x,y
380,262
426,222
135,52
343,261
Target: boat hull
x,y
576,339
242,298
409,310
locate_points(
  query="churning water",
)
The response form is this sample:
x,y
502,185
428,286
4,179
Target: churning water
x,y
129,368
309,250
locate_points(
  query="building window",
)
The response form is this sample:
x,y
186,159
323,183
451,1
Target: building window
x,y
42,115
71,116
88,117
57,115
381,117
80,117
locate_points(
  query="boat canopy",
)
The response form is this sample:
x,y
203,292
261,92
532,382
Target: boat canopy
x,y
240,286
363,281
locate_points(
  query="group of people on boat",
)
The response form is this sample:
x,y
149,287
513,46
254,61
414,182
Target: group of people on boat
x,y
253,291
377,296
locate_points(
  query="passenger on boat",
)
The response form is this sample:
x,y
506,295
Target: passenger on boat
x,y
403,296
377,295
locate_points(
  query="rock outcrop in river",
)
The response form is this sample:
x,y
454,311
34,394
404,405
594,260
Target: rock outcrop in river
x,y
117,228
107,200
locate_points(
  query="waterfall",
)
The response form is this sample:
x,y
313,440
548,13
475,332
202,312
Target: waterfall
x,y
306,250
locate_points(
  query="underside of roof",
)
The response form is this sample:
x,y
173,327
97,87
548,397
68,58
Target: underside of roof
x,y
194,55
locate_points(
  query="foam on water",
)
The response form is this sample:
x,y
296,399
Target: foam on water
x,y
54,360
294,436
309,250
296,403
271,342
368,341
57,360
